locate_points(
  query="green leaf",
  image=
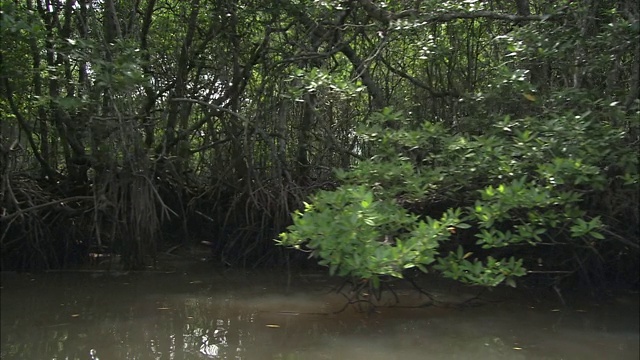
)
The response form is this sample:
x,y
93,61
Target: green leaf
x,y
332,269
375,282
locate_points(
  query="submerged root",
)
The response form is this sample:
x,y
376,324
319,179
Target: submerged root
x,y
364,298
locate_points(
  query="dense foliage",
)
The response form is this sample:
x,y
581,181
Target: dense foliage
x,y
522,183
476,139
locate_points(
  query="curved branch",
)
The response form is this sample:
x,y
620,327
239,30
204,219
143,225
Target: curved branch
x,y
377,99
417,82
386,17
27,129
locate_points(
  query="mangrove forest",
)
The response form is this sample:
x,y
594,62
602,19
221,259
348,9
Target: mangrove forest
x,y
488,141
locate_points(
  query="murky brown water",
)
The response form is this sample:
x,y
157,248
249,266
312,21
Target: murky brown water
x,y
208,315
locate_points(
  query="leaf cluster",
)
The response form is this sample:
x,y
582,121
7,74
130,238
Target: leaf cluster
x,y
522,183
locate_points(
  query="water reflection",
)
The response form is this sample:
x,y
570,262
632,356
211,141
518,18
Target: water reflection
x,y
256,316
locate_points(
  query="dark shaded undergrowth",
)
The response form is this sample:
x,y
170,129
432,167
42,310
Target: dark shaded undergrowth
x,y
54,225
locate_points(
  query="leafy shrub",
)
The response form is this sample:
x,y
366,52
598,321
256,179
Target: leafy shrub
x,y
520,184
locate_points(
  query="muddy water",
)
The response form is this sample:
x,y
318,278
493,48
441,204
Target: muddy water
x,y
238,315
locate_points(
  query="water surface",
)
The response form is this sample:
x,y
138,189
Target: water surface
x,y
268,315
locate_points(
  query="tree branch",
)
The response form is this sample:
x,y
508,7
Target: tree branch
x,y
417,82
386,17
26,128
